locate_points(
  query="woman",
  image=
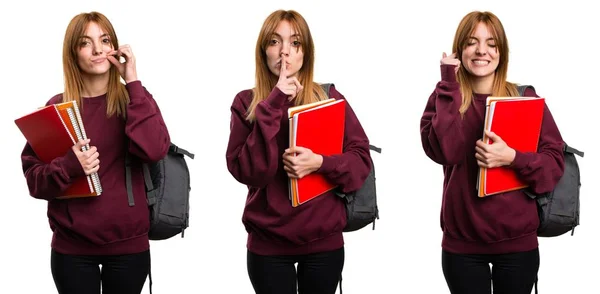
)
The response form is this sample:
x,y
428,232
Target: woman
x,y
498,229
118,118
258,156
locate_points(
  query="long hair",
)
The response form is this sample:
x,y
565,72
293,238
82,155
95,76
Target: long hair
x,y
116,95
464,31
266,80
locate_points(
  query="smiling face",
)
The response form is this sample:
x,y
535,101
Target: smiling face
x,y
480,57
285,44
93,48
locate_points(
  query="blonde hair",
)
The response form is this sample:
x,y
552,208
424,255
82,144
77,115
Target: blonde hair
x,y
116,95
266,80
464,31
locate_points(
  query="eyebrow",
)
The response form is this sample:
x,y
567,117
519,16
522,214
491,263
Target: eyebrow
x,y
88,37
488,39
294,35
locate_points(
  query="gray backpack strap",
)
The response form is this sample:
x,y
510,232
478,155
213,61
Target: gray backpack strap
x,y
375,148
521,89
175,149
572,150
150,192
128,179
326,87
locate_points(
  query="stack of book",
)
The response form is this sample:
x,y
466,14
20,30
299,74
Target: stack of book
x,y
51,131
518,121
318,126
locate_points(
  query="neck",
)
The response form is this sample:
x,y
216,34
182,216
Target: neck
x,y
483,85
95,85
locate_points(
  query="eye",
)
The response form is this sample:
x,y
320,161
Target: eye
x,y
84,43
273,42
493,45
106,41
296,43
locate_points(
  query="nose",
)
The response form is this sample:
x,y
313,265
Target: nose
x,y
97,48
481,50
285,50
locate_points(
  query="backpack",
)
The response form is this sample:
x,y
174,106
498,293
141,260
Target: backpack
x,y
361,205
558,210
168,188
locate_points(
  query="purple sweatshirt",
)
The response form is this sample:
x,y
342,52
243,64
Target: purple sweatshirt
x,y
254,158
500,223
103,225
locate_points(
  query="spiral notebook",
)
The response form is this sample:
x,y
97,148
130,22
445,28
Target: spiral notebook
x,y
51,131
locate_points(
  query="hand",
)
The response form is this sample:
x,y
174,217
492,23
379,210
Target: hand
x,y
127,68
304,163
290,86
88,159
495,154
452,60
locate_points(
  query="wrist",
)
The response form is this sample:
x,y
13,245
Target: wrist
x,y
511,156
318,161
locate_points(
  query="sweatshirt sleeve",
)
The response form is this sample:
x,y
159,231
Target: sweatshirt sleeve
x,y
252,152
48,181
542,169
148,134
441,124
350,169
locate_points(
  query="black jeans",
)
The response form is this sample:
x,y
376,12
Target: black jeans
x,y
317,273
81,274
512,273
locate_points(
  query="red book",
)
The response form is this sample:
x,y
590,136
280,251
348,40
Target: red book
x,y
51,134
319,127
518,121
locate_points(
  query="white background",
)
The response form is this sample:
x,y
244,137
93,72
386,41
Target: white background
x,y
383,58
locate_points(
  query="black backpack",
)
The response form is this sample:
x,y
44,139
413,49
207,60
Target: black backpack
x,y
559,209
361,205
167,193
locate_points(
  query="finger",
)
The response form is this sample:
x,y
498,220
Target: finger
x,y
299,86
93,163
287,163
481,164
480,144
292,176
481,157
90,152
444,55
287,169
283,72
113,60
453,55
495,138
92,170
93,157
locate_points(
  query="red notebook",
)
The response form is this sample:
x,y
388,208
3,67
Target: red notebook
x,y
51,134
518,121
319,127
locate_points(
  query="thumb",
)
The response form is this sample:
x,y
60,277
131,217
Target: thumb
x,y
444,55
495,138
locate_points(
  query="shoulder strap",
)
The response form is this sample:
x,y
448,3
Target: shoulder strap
x,y
375,148
326,87
572,150
521,89
178,150
128,184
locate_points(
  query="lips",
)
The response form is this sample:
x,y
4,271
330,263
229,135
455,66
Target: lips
x,y
479,62
99,60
